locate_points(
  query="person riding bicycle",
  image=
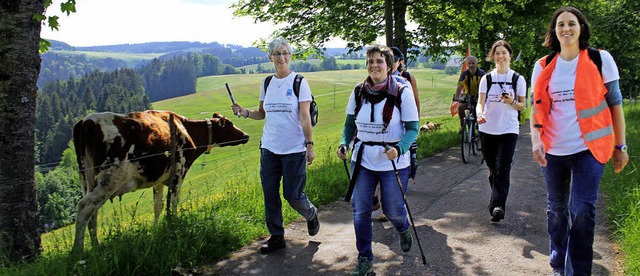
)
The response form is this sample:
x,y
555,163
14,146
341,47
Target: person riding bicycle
x,y
468,84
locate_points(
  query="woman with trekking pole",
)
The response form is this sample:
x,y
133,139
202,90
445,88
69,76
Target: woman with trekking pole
x,y
502,93
380,112
284,159
577,125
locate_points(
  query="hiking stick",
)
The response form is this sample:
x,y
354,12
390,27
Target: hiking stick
x,y
404,197
233,100
346,169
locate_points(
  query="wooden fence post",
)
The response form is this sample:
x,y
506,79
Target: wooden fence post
x,y
172,165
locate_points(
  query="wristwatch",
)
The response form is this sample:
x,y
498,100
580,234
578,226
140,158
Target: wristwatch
x,y
308,143
622,148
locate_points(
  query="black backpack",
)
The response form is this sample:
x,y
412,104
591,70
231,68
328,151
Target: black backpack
x,y
313,106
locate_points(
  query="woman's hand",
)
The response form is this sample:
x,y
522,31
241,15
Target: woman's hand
x,y
391,152
620,159
237,109
538,154
310,154
342,152
481,119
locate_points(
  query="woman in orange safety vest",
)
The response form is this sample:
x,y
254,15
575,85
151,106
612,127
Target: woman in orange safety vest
x,y
577,125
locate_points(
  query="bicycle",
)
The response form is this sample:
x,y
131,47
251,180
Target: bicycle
x,y
470,139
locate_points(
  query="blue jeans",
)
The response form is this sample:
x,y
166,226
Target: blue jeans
x,y
572,192
392,205
292,169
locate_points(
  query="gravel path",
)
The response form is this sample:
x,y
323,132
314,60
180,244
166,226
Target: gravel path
x,y
448,204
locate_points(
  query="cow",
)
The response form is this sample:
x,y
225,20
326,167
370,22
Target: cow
x,y
119,153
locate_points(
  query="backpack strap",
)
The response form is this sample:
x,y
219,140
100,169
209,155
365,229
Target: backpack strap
x,y
266,82
296,84
514,83
489,83
594,55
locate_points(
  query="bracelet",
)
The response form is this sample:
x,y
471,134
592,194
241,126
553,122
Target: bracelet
x,y
514,102
247,113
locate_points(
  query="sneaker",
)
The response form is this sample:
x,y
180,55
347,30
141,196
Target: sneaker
x,y
557,273
313,226
497,214
364,267
406,240
275,242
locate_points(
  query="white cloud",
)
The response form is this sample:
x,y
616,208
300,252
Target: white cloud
x,y
108,22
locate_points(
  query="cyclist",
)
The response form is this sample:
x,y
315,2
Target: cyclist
x,y
468,85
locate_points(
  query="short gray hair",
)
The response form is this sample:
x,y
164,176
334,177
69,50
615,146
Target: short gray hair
x,y
277,43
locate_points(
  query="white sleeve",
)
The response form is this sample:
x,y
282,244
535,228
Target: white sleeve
x,y
482,89
305,91
537,69
351,104
409,109
609,67
522,86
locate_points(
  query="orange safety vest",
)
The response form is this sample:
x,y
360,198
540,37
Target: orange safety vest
x,y
594,116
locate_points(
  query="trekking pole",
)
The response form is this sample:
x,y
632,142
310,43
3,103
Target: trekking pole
x,y
344,161
233,100
395,170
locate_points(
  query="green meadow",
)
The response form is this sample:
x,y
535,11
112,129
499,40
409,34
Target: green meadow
x,y
221,206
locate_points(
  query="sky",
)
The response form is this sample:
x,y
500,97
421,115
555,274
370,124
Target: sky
x,y
110,22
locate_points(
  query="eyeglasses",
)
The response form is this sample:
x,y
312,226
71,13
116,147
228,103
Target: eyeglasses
x,y
278,54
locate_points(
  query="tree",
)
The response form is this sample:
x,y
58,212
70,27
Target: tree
x,y
312,23
19,67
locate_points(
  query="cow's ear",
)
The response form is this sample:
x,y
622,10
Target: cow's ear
x,y
216,115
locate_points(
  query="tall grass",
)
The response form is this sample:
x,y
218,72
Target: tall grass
x,y
622,195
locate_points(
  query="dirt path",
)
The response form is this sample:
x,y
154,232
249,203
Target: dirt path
x,y
448,204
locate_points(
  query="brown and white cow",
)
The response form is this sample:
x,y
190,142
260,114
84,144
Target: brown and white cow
x,y
120,153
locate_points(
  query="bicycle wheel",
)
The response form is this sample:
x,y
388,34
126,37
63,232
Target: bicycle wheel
x,y
475,138
465,142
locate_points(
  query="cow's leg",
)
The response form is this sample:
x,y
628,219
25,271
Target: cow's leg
x,y
87,214
175,197
158,203
93,228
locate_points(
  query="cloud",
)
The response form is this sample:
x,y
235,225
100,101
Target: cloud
x,y
108,22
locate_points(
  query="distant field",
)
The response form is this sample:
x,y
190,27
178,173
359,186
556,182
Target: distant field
x,y
131,59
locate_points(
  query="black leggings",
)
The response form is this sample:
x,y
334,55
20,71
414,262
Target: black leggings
x,y
498,151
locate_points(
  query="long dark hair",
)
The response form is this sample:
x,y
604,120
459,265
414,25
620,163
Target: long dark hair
x,y
551,40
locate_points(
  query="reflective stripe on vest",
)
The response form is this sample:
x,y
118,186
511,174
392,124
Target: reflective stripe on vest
x,y
594,115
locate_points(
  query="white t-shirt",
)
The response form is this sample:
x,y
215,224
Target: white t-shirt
x,y
373,157
282,132
501,118
563,128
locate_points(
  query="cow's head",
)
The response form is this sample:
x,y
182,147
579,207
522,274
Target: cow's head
x,y
225,133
